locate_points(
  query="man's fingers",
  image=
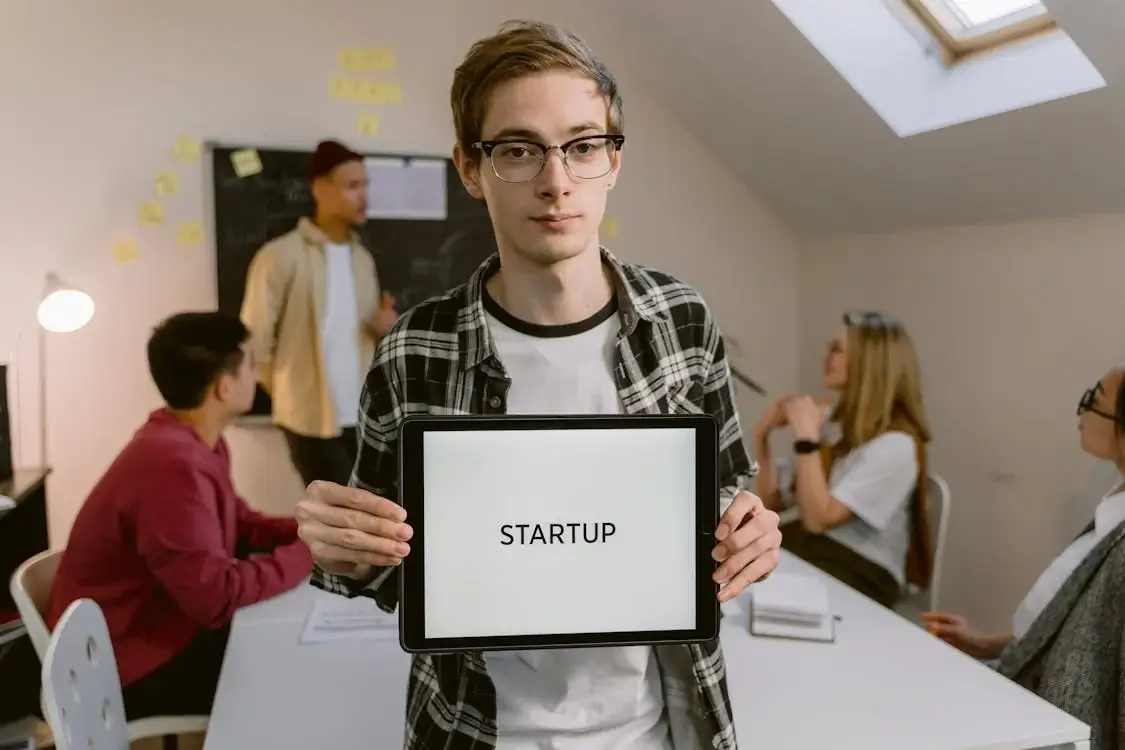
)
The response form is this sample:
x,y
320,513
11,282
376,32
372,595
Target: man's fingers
x,y
740,508
759,526
760,547
752,573
333,543
348,518
338,495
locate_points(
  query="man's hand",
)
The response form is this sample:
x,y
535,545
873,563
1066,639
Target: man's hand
x,y
348,529
383,319
749,544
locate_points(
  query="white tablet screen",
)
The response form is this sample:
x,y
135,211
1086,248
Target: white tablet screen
x,y
539,532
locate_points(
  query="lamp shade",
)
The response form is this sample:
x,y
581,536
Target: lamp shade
x,y
64,308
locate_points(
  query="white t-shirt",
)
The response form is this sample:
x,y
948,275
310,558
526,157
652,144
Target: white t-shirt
x,y
1109,514
608,698
875,481
339,334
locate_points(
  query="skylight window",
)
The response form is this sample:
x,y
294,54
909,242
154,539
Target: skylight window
x,y
980,12
967,27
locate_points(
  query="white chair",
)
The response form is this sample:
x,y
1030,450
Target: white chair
x,y
31,590
81,688
939,497
917,600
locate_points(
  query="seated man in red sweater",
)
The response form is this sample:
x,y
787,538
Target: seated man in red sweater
x,y
164,543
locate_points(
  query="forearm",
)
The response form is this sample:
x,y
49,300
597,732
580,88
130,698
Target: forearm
x,y
811,493
766,481
991,646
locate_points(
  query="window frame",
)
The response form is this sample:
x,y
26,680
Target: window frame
x,y
956,49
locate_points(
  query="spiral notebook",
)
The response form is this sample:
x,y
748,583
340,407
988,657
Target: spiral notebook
x,y
792,606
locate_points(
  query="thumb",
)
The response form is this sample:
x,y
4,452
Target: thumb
x,y
388,301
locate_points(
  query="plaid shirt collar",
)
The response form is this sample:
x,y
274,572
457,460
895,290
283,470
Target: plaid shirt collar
x,y
475,341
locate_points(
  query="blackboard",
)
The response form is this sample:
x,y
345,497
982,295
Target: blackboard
x,y
415,258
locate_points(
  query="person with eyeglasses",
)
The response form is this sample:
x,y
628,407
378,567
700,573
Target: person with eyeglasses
x,y
856,476
551,324
1067,640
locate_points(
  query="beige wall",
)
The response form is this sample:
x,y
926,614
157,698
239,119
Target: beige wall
x,y
1012,323
95,93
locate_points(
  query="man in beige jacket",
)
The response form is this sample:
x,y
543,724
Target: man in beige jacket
x,y
315,312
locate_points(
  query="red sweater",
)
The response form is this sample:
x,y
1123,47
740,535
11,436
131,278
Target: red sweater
x,y
154,545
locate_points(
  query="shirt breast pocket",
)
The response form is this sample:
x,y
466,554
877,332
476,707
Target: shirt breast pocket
x,y
686,398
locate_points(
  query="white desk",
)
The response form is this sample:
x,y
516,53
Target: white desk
x,y
884,685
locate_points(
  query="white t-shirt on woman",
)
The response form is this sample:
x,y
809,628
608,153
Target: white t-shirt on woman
x,y
875,481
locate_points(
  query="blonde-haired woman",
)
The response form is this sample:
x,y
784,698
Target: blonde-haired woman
x,y
854,478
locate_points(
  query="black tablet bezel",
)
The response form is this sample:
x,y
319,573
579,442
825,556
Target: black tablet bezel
x,y
411,606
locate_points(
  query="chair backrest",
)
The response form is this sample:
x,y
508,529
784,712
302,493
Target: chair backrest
x,y
939,502
31,590
81,687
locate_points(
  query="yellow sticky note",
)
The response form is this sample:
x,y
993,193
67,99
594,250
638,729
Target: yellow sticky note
x,y
246,162
152,212
186,149
609,227
125,251
190,233
365,92
167,183
380,92
367,123
368,60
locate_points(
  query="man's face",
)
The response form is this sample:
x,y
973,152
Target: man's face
x,y
235,390
342,194
555,215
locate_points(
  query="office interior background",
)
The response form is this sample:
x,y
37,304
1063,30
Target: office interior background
x,y
758,168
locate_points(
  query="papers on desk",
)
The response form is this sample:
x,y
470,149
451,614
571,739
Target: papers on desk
x,y
792,606
340,619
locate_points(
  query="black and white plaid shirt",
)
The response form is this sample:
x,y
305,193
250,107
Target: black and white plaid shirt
x,y
439,359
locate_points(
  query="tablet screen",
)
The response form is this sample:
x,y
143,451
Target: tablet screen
x,y
535,532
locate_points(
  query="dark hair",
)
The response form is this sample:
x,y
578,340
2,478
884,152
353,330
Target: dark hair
x,y
328,156
189,351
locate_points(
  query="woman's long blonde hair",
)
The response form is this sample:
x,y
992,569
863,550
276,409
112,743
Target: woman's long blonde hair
x,y
883,389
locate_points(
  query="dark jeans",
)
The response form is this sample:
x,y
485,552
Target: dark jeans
x,y
841,563
183,686
328,459
20,675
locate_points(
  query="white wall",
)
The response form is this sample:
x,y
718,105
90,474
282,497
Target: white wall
x,y
94,94
1012,323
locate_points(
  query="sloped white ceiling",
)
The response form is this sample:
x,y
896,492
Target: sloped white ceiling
x,y
748,83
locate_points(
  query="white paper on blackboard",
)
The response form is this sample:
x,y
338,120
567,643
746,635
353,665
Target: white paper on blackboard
x,y
406,188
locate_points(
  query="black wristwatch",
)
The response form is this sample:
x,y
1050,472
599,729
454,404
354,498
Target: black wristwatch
x,y
804,447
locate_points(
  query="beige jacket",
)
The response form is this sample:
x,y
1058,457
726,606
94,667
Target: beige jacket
x,y
283,308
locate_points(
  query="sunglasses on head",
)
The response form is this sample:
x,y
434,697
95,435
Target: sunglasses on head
x,y
869,319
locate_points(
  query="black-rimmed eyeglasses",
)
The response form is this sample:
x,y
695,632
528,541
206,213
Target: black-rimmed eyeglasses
x,y
1088,403
520,160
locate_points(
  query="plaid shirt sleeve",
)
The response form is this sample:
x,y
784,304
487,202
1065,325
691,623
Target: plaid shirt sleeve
x,y
736,467
376,468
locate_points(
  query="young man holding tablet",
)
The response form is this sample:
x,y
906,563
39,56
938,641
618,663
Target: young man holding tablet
x,y
553,325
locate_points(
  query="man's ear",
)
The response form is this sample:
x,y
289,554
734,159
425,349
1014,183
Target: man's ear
x,y
615,172
468,169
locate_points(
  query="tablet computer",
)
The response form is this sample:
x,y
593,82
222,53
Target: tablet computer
x,y
550,532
